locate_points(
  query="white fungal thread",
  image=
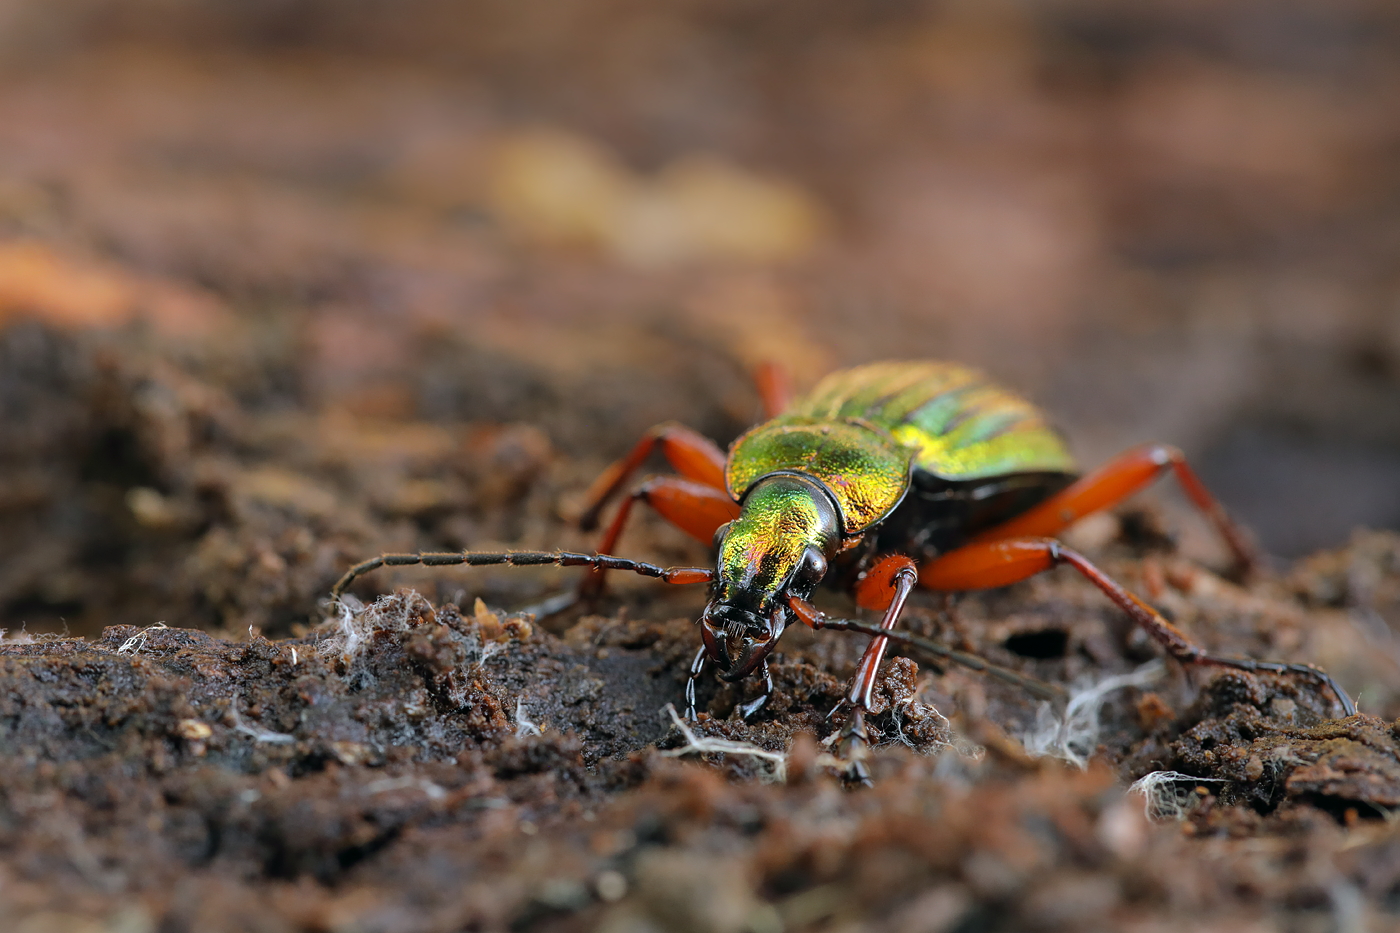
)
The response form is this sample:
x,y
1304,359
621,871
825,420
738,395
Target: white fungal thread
x,y
1163,796
1074,736
258,733
135,643
703,745
523,726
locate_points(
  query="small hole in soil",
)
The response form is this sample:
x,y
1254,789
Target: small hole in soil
x,y
1343,810
1046,643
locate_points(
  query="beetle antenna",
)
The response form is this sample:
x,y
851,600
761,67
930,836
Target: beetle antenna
x,y
678,575
1035,687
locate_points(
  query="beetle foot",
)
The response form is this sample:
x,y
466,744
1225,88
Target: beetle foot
x,y
853,747
753,706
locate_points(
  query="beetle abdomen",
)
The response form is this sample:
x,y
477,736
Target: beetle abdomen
x,y
865,431
959,425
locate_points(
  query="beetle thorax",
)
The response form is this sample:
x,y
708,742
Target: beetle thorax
x,y
784,519
788,527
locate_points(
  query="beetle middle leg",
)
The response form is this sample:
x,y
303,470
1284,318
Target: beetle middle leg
x,y
696,501
694,508
999,563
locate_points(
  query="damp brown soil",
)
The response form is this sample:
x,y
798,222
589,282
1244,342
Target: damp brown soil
x,y
425,757
284,286
193,737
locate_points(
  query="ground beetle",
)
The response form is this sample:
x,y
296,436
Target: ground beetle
x,y
882,477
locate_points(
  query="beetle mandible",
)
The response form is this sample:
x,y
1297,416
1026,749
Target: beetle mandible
x,y
883,477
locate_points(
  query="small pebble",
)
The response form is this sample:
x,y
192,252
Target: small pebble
x,y
193,730
611,886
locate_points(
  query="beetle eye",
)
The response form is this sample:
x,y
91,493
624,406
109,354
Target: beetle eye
x,y
813,567
720,532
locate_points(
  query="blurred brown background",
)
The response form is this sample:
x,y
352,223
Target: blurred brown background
x,y
1172,221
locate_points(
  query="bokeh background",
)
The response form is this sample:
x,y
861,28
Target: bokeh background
x,y
558,223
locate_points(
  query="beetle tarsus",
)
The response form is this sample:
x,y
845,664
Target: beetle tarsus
x,y
749,709
1316,674
854,748
697,669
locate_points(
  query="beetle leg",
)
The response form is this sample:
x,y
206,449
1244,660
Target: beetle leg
x,y
894,579
747,710
886,586
854,747
1117,480
774,384
998,563
697,669
693,456
695,508
817,620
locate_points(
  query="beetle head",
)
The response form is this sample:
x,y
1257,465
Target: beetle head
x,y
787,530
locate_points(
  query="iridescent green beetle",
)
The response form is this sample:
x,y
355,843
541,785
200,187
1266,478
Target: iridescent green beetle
x,y
882,477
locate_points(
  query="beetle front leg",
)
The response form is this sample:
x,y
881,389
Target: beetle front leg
x,y
691,503
886,586
697,669
693,456
695,508
698,665
747,710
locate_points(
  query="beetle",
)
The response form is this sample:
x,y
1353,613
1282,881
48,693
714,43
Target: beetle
x,y
882,478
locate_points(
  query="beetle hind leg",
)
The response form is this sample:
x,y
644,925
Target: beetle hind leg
x,y
999,563
1115,481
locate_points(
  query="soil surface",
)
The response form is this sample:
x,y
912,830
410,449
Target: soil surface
x,y
285,287
431,761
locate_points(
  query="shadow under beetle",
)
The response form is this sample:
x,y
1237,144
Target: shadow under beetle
x,y
883,477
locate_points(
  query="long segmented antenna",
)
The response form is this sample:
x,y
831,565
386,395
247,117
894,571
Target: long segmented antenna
x,y
678,575
1036,688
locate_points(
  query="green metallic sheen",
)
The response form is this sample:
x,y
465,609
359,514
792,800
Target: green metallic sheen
x,y
768,539
863,431
866,469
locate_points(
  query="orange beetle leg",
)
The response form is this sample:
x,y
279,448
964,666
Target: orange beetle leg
x,y
693,456
694,508
998,563
774,384
1111,484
